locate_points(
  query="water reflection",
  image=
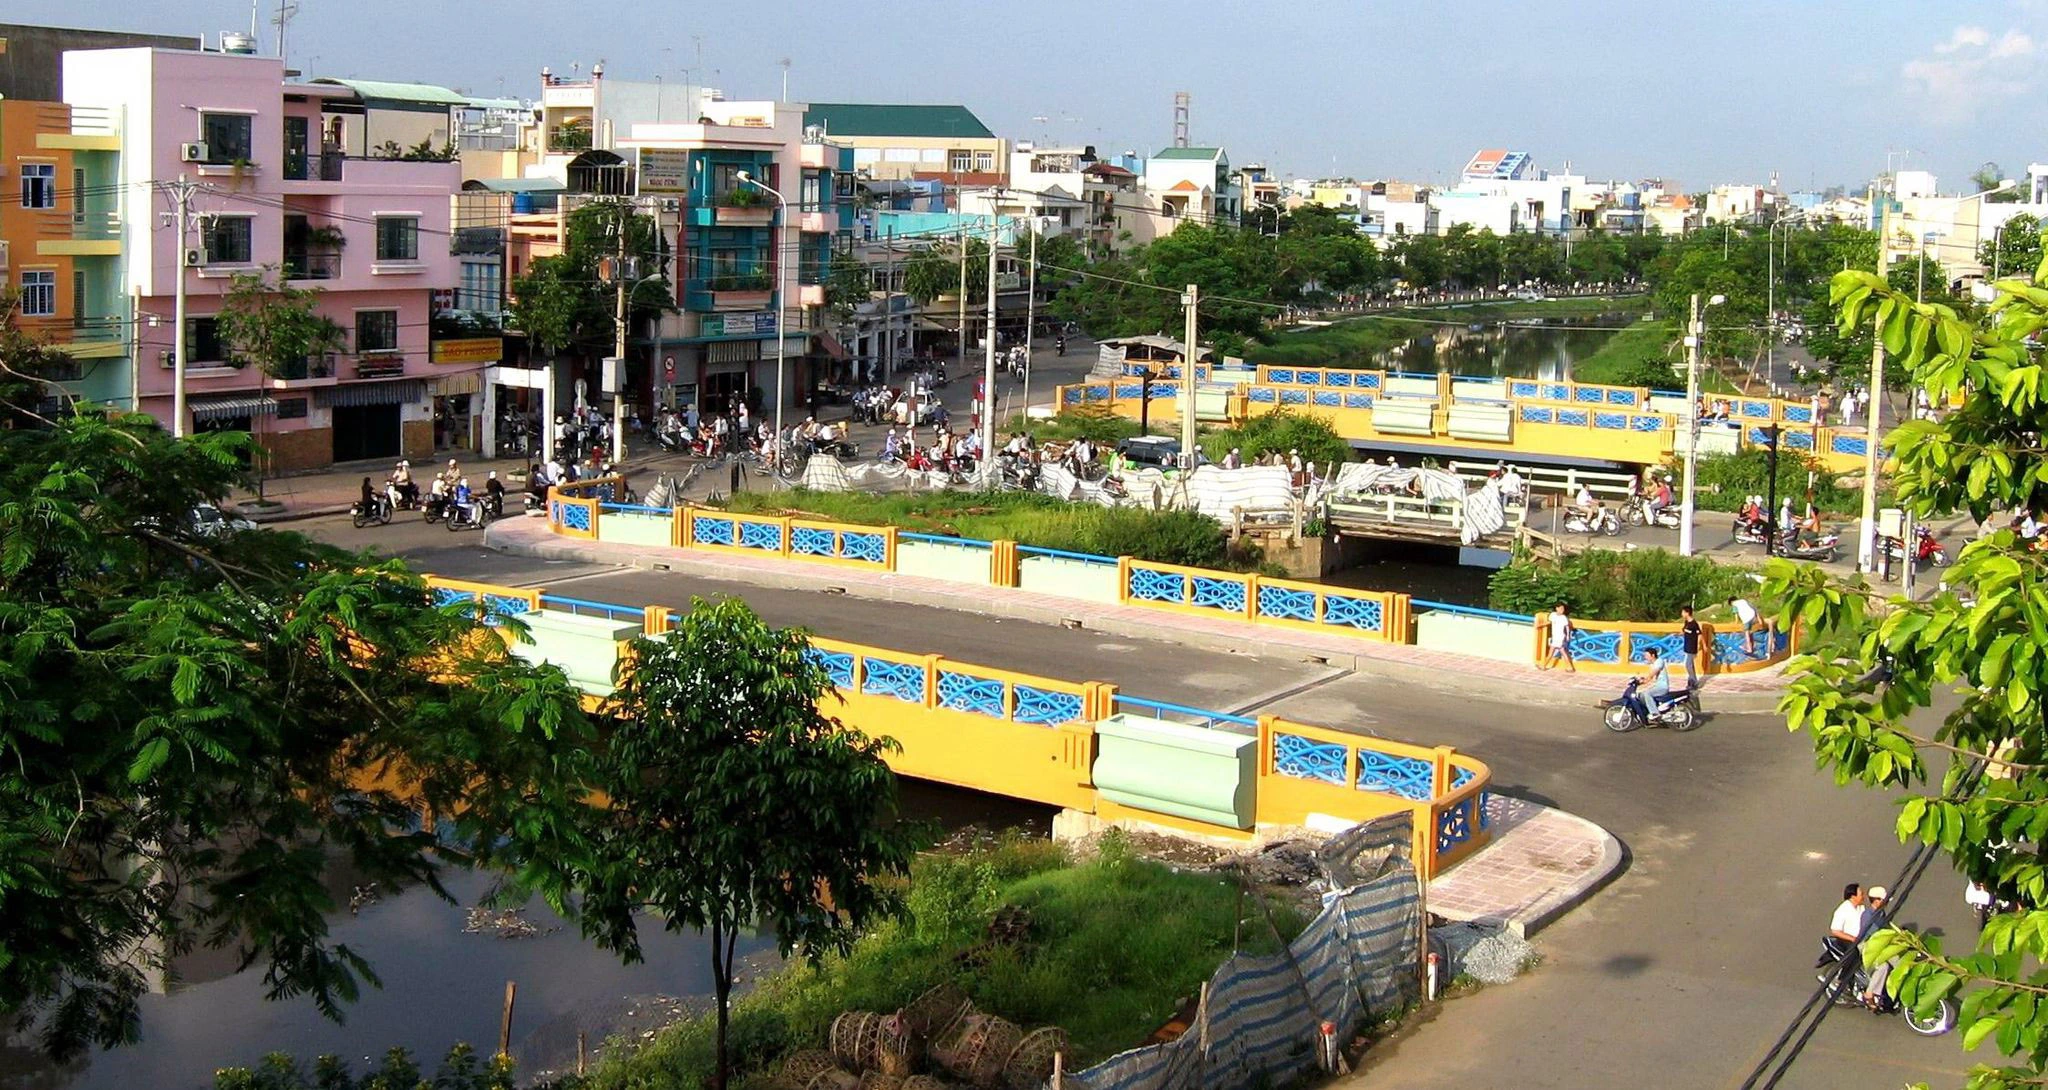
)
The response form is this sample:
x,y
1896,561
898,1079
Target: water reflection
x,y
442,986
1438,573
1528,349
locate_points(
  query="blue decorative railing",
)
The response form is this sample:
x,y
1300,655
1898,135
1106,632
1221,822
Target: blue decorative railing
x,y
1160,709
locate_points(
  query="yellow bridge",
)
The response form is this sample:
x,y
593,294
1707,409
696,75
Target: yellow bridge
x,y
1079,745
1509,419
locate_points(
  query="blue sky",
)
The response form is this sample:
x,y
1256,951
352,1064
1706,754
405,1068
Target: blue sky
x,y
1709,93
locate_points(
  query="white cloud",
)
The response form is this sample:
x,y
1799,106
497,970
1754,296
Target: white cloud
x,y
1964,37
1969,70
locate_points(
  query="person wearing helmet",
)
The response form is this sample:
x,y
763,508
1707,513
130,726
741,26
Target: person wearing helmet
x,y
494,494
463,500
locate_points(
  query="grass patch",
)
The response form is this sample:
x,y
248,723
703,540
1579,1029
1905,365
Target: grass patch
x,y
1648,354
1088,966
1167,537
1092,422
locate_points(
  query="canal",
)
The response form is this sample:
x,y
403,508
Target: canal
x,y
444,983
1540,348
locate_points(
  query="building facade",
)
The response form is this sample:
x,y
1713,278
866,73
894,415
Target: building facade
x,y
272,193
933,143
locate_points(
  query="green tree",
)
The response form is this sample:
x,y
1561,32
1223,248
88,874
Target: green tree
x,y
2014,249
935,271
1974,781
736,802
27,364
565,304
275,326
197,725
1989,176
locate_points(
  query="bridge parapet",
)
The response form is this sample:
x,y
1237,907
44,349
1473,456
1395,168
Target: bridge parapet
x,y
1039,738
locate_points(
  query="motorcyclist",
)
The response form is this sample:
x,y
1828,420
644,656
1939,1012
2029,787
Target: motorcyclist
x,y
494,494
1060,343
368,502
464,501
401,483
892,446
1657,676
1586,505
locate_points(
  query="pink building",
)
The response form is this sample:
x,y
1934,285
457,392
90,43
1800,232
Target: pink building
x,y
274,193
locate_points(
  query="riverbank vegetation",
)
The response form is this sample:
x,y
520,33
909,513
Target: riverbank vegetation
x,y
1028,518
1602,585
1110,949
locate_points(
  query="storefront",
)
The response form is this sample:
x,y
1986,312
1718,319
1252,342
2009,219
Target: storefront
x,y
458,411
518,402
727,375
370,419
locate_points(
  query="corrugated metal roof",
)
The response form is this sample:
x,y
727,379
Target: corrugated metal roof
x,y
399,92
1189,153
892,119
518,185
495,104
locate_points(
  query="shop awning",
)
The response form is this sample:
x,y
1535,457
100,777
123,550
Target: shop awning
x,y
229,406
467,382
403,391
830,346
732,351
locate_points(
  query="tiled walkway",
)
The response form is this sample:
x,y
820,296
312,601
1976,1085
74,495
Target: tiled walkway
x,y
1542,861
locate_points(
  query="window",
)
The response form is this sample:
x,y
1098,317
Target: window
x,y
228,241
291,408
78,196
38,185
38,293
479,287
813,192
376,331
202,336
398,238
229,138
959,161
985,161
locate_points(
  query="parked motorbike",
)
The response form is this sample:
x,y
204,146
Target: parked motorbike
x,y
1818,548
1602,521
1676,710
1927,548
1637,512
1845,989
378,511
475,516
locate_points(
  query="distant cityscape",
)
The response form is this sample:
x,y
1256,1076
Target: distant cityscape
x,y
414,210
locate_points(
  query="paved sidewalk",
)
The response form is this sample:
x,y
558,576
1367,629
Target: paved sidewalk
x,y
1541,863
1444,671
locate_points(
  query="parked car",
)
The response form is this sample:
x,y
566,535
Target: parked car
x,y
1156,451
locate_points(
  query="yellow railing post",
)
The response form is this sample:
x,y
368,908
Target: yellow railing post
x,y
889,548
1123,580
654,621
931,679
1440,773
784,552
1251,597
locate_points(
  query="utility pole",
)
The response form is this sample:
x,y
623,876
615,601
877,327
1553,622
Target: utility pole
x,y
889,308
1030,321
1191,302
988,382
621,276
182,193
963,281
1866,547
1692,443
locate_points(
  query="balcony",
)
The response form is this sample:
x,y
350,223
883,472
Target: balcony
x,y
77,233
569,138
319,370
730,291
818,222
311,266
325,166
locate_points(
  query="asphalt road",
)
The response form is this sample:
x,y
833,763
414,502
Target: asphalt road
x,y
1679,974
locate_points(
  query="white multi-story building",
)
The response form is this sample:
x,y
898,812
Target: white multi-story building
x,y
1187,183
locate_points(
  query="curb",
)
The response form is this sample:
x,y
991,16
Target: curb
x,y
1612,858
295,514
1251,644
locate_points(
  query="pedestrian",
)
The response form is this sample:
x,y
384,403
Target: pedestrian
x,y
1689,637
1746,617
1560,646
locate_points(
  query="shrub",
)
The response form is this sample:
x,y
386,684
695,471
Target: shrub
x,y
1724,479
1281,430
1645,585
1189,538
1092,421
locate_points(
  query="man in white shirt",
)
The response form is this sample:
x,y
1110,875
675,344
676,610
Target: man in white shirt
x,y
1512,486
1845,927
1585,504
1746,617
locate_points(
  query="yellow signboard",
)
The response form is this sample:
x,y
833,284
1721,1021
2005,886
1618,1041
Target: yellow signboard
x,y
469,350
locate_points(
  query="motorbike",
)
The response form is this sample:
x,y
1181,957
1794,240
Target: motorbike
x,y
1637,512
1602,521
475,516
1819,548
1749,531
378,511
1845,989
434,508
1060,344
1927,548
1676,710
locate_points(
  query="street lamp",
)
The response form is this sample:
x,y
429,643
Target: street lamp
x,y
1694,336
1771,292
781,300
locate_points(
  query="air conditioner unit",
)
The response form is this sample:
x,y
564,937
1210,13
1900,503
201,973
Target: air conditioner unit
x,y
194,152
166,357
194,257
671,204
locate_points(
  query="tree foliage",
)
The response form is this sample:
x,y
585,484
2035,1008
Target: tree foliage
x,y
195,724
2013,248
735,802
267,322
1876,662
461,1069
564,304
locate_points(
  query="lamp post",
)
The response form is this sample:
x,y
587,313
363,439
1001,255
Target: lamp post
x,y
1771,293
781,300
1694,337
